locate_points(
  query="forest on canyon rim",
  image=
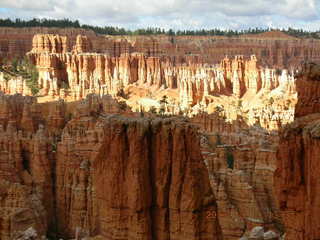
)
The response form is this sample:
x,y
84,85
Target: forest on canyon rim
x,y
157,136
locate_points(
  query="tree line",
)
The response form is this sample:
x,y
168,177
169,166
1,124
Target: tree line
x,y
110,30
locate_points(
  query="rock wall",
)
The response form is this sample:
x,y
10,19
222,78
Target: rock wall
x,y
46,43
274,50
280,51
102,74
296,179
16,42
74,170
192,85
308,88
24,162
241,161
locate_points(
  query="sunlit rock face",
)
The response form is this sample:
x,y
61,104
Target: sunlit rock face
x,y
195,81
240,85
296,179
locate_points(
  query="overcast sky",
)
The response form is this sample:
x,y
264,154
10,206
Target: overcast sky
x,y
176,14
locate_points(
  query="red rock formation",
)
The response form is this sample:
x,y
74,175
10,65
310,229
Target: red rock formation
x,y
308,88
296,179
46,43
72,169
274,50
241,162
103,74
280,52
91,149
17,42
23,162
152,201
83,44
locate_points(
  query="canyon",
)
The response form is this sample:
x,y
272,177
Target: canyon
x,y
190,86
139,141
59,176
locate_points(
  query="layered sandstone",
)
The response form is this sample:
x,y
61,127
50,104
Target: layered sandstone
x,y
241,161
277,51
83,44
76,153
74,170
192,85
272,49
102,73
16,42
22,204
308,90
154,200
245,98
267,95
296,178
46,43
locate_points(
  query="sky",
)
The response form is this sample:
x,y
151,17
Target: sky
x,y
175,14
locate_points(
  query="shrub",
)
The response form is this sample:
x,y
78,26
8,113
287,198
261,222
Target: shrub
x,y
122,105
122,94
15,64
28,71
271,101
32,80
6,77
153,110
230,158
65,85
162,111
219,142
219,109
278,71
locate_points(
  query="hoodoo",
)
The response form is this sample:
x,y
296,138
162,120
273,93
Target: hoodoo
x,y
157,135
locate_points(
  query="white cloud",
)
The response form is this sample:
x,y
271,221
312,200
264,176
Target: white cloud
x,y
184,14
28,5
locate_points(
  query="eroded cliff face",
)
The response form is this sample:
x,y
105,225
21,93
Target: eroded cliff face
x,y
279,50
75,170
266,96
308,90
101,74
296,179
83,163
26,197
159,193
241,161
272,49
17,42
